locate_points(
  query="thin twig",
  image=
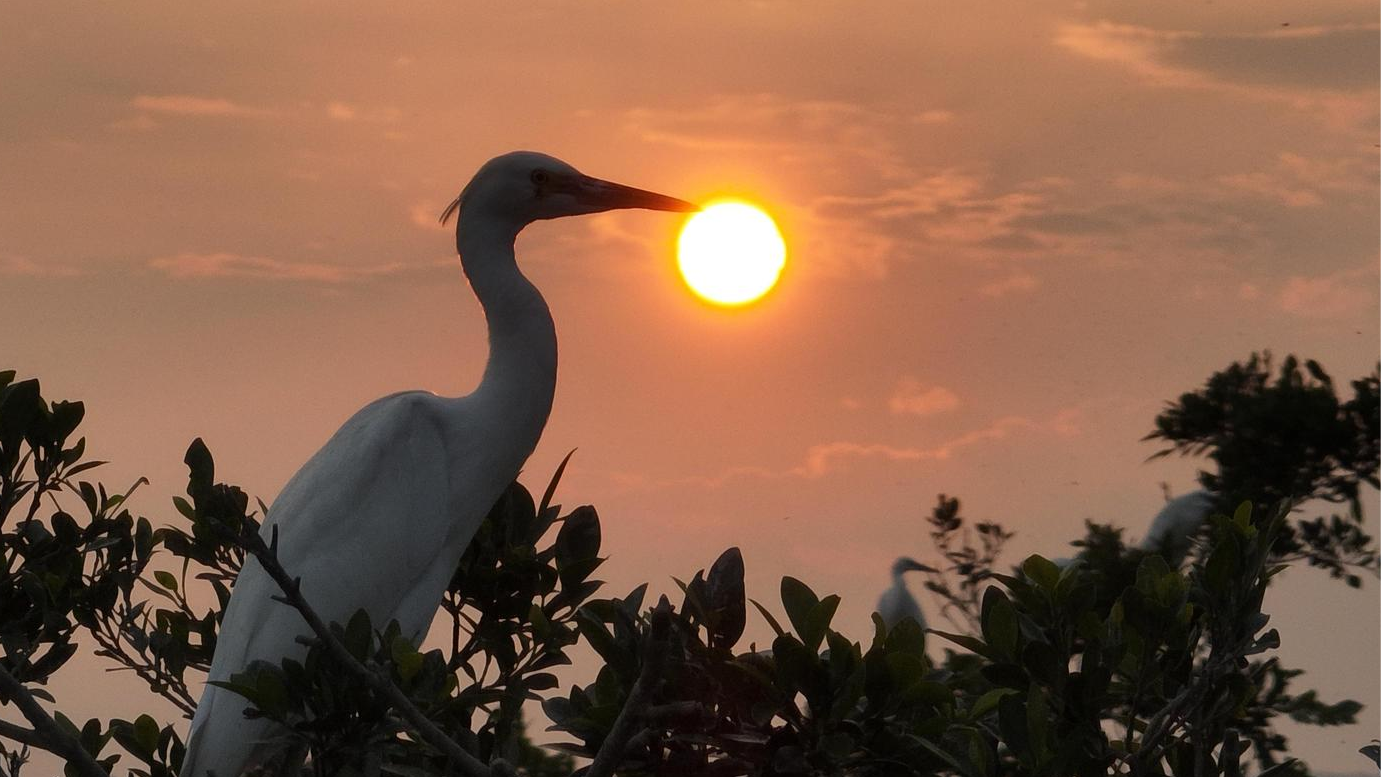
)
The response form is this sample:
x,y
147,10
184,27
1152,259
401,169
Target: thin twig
x,y
250,540
174,691
635,707
1158,727
1163,722
51,737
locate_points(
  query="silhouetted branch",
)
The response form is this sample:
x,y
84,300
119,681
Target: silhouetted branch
x,y
635,707
24,736
45,734
267,556
677,710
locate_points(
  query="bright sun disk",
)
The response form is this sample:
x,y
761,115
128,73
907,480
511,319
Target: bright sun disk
x,y
730,253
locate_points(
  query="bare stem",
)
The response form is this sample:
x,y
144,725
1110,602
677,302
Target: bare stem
x,y
611,752
47,735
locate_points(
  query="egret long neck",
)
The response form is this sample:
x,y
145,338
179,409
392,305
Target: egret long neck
x,y
519,380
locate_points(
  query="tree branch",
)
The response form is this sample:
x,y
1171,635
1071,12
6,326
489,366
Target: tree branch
x,y
635,707
677,710
250,540
47,734
24,736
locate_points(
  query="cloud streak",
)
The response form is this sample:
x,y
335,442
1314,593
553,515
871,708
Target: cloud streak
x,y
825,459
911,397
13,264
192,105
195,266
1337,295
1016,283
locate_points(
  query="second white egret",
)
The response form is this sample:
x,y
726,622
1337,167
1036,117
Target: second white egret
x,y
897,603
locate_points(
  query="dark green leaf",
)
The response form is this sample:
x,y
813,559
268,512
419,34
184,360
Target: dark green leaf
x,y
1042,572
999,622
165,579
799,601
767,616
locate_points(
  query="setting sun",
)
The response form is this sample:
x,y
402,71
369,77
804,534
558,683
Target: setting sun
x,y
731,253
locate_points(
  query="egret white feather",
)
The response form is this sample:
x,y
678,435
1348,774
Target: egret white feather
x,y
896,603
1174,527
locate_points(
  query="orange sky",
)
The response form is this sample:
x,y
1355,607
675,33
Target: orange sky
x,y
1014,232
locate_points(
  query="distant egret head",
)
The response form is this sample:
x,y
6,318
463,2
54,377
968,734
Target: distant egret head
x,y
904,564
521,187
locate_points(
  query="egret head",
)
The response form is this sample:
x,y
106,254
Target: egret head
x,y
524,186
906,564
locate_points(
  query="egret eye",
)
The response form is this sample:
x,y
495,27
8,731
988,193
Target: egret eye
x,y
539,177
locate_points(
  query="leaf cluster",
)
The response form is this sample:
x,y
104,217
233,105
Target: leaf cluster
x,y
1278,435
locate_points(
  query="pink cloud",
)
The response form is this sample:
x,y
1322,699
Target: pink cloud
x,y
342,111
1338,295
1267,185
427,215
1016,283
911,397
820,458
825,459
13,264
1327,71
1140,49
226,265
140,122
190,105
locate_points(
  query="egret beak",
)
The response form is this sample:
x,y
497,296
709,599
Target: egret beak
x,y
605,195
905,565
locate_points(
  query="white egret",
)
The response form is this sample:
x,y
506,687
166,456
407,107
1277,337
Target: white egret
x,y
896,603
1176,524
379,517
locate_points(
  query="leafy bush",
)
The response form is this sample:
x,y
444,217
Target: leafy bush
x,y
1117,663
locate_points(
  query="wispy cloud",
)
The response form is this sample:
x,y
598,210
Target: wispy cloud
x,y
343,111
1327,70
139,122
427,215
1140,49
13,264
911,397
1016,283
1299,181
761,122
189,266
934,116
948,212
1336,295
192,105
828,458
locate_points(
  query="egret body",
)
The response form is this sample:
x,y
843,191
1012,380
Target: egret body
x,y
896,603
380,516
1176,524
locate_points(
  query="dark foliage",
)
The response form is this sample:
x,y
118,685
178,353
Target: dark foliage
x,y
1286,435
1117,663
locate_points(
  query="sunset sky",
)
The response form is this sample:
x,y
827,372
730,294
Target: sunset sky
x,y
1013,230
